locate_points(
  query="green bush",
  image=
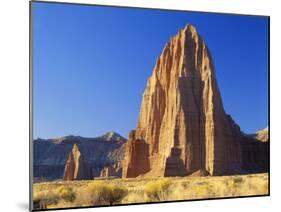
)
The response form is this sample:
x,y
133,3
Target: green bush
x,y
157,190
103,193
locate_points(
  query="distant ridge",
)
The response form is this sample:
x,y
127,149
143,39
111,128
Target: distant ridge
x,y
108,136
262,135
113,136
50,155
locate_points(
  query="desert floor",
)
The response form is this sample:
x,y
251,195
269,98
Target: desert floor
x,y
63,194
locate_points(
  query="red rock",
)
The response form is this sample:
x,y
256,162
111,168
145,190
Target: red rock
x,y
112,171
182,126
76,168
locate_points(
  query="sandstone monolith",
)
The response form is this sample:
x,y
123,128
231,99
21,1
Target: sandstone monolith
x,y
76,168
182,126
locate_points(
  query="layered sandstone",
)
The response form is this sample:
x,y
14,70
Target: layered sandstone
x,y
182,125
112,171
76,167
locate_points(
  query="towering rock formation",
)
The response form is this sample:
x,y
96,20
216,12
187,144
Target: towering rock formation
x,y
76,168
182,125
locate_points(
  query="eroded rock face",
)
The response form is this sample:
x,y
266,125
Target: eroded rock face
x,y
182,126
76,167
255,155
255,152
112,171
137,157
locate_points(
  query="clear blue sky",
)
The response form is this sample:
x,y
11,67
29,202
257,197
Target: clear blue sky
x,y
91,65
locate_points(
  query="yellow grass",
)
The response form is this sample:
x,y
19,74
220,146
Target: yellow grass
x,y
137,190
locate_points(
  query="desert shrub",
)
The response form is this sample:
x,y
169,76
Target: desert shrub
x,y
232,187
43,199
179,191
197,190
66,193
117,193
185,184
103,193
257,185
157,190
134,197
83,196
238,180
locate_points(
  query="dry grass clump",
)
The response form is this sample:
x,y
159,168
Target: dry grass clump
x,y
47,196
66,193
103,193
157,190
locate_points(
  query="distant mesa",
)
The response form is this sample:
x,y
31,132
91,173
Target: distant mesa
x,y
183,127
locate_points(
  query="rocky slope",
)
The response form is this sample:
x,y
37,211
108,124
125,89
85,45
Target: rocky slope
x,y
50,155
183,128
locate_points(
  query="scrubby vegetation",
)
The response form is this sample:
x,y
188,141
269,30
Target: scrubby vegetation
x,y
106,194
139,190
157,190
66,193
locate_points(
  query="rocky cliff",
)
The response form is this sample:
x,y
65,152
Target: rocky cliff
x,y
50,155
183,128
76,168
112,171
255,151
